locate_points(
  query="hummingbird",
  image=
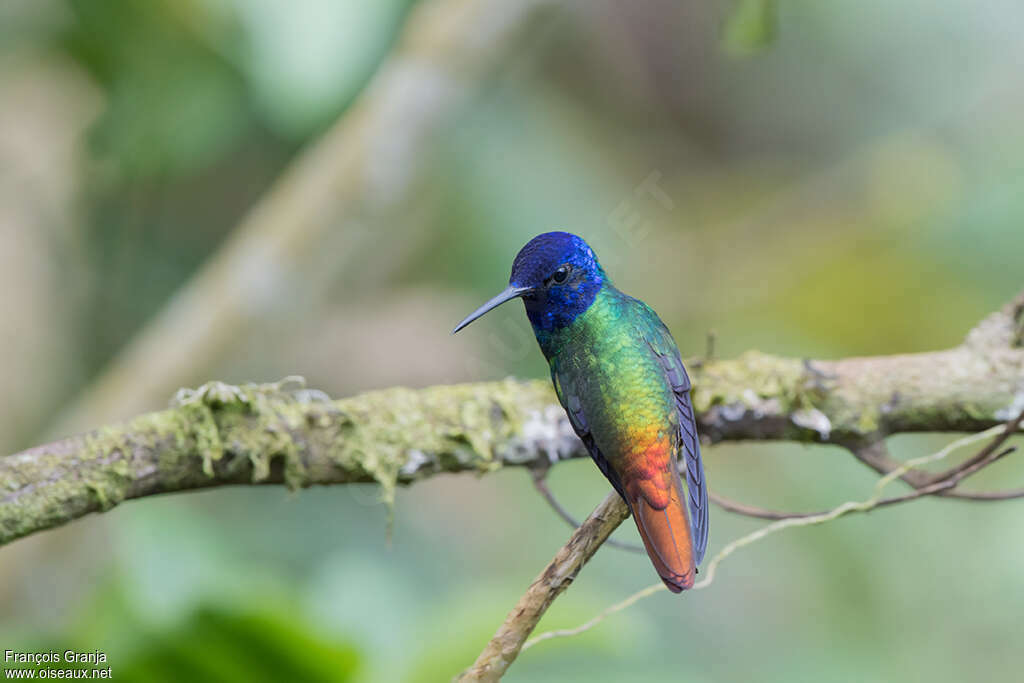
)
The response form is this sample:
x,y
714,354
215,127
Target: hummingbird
x,y
618,375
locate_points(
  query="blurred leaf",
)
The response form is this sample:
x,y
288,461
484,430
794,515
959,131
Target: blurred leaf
x,y
305,61
255,637
750,27
23,22
221,645
175,102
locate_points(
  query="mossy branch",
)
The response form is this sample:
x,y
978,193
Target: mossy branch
x,y
273,434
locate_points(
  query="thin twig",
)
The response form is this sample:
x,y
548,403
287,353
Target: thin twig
x,y
539,477
750,510
876,456
1011,429
939,487
989,496
506,644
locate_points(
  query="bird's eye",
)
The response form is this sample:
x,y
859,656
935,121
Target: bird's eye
x,y
560,274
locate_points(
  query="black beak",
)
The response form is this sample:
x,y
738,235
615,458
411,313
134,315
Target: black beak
x,y
509,293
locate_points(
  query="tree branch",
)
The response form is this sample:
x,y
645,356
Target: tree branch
x,y
854,401
268,435
222,435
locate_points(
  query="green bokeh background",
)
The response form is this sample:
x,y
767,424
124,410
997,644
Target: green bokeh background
x,y
855,186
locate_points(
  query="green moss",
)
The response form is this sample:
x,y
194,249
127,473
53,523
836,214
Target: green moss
x,y
868,420
108,479
204,429
254,421
752,377
464,423
370,436
41,495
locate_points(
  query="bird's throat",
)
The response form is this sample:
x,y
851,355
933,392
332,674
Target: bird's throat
x,y
556,326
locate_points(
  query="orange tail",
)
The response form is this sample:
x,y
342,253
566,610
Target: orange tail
x,y
667,536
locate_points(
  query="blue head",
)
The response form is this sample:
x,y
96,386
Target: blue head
x,y
557,275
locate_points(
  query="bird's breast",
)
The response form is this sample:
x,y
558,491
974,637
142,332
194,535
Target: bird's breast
x,y
628,402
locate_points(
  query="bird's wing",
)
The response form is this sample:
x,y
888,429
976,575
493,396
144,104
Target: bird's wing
x,y
569,392
660,340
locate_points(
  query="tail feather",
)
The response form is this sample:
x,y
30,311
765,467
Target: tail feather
x,y
668,539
